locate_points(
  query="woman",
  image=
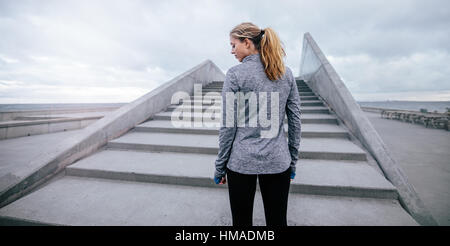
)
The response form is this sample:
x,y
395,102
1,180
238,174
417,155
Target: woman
x,y
245,155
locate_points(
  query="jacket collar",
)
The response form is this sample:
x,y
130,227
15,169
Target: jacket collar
x,y
253,57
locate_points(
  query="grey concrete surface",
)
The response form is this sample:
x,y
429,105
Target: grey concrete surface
x,y
424,155
338,189
94,201
111,126
306,117
315,148
16,155
319,177
308,130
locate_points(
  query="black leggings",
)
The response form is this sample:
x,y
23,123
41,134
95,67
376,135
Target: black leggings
x,y
274,190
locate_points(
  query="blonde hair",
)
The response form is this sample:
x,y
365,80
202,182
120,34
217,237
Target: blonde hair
x,y
267,43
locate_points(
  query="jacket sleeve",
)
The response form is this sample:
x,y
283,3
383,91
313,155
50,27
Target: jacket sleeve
x,y
226,133
294,123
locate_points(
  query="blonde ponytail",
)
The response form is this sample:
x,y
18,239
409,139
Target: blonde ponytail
x,y
272,54
267,43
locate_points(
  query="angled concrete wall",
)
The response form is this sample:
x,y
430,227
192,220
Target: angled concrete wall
x,y
324,81
109,127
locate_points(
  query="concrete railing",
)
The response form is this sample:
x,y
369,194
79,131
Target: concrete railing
x,y
109,127
324,81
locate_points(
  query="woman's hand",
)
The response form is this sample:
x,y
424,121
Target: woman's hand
x,y
222,180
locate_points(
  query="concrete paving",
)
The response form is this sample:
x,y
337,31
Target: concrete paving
x,y
423,154
16,154
111,202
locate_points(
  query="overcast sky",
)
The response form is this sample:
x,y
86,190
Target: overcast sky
x,y
90,51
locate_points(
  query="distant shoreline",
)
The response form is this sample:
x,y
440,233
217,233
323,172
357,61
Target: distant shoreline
x,y
431,106
54,106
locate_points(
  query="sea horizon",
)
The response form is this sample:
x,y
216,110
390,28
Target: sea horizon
x,y
431,106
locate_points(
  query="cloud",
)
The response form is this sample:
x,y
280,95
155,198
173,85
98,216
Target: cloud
x,y
142,44
363,73
19,92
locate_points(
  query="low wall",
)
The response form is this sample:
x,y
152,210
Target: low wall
x,y
372,109
109,127
20,129
324,81
12,115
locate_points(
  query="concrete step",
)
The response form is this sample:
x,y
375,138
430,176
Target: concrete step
x,y
303,109
213,86
90,201
208,103
311,103
309,98
219,89
217,93
306,94
219,98
316,177
308,130
216,83
311,148
306,118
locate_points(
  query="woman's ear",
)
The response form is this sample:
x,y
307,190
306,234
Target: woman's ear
x,y
247,43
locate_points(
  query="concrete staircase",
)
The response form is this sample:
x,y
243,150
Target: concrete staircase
x,y
158,174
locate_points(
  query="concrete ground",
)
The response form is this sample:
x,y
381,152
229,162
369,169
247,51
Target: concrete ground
x,y
16,154
424,155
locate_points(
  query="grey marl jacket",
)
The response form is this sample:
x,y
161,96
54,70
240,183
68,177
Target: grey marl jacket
x,y
243,149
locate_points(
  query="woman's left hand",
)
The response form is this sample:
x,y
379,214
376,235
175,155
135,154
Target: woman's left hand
x,y
292,176
222,180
